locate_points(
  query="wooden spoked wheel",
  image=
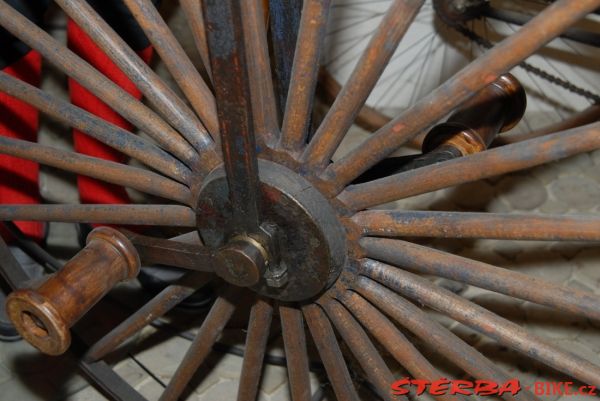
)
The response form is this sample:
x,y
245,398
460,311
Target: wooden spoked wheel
x,y
277,217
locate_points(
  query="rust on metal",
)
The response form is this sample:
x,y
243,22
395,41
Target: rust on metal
x,y
354,93
466,83
294,341
432,261
501,160
513,226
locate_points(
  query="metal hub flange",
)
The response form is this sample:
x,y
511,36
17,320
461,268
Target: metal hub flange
x,y
308,244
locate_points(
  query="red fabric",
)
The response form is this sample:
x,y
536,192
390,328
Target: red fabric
x,y
92,190
20,178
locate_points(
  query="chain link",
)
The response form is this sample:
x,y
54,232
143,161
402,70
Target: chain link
x,y
483,42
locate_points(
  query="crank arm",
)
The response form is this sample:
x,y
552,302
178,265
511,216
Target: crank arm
x,y
170,252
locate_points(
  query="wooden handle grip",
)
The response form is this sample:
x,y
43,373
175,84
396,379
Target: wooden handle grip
x,y
44,315
496,108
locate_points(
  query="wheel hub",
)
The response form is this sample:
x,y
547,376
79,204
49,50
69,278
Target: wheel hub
x,y
302,249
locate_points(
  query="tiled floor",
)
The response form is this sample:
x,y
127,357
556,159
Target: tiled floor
x,y
570,186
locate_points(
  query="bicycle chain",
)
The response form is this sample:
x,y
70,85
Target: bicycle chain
x,y
470,34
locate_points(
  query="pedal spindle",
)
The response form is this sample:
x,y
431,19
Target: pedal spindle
x,y
43,315
495,109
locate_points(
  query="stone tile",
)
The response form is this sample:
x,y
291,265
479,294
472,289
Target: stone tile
x,y
595,156
554,207
473,196
577,191
588,270
223,390
5,374
273,378
162,359
151,390
522,192
553,324
131,372
545,264
87,394
546,173
502,305
33,387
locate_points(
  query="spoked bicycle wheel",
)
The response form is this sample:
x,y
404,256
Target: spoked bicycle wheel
x,y
277,218
561,79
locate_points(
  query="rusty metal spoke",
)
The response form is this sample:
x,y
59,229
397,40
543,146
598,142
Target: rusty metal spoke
x,y
207,336
231,76
264,105
355,92
294,340
153,215
431,261
126,105
193,15
435,335
115,173
256,345
478,318
148,82
177,62
394,341
398,223
548,24
490,163
330,352
162,303
110,134
363,349
305,69
283,18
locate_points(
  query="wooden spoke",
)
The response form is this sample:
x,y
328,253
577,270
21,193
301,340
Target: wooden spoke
x,y
545,26
394,341
110,134
148,82
207,336
363,349
435,335
115,173
397,223
502,330
152,215
162,303
256,345
298,108
294,340
330,352
232,75
177,62
125,104
264,106
584,117
431,261
354,94
193,15
473,167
